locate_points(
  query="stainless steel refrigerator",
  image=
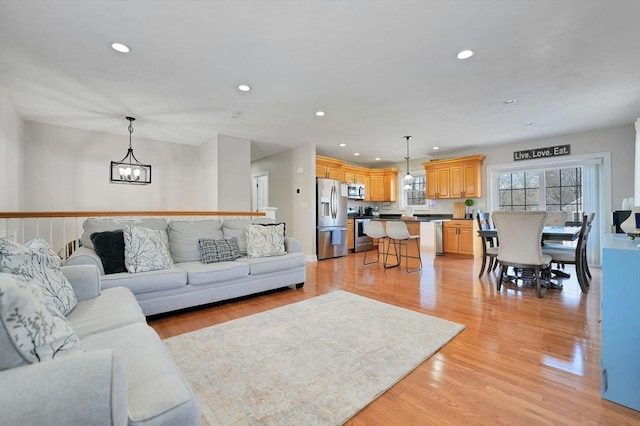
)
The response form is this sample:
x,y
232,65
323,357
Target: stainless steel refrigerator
x,y
331,221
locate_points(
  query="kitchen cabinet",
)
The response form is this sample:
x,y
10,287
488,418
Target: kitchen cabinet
x,y
459,177
620,321
350,234
460,238
391,185
377,187
328,168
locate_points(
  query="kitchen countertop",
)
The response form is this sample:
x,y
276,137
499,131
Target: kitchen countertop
x,y
418,217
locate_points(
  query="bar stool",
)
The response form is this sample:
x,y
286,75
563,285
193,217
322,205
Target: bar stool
x,y
399,235
375,231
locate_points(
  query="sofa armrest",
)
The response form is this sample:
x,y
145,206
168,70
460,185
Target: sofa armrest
x,y
87,388
292,245
84,279
85,256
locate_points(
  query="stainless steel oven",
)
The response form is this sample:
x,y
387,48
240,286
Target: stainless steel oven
x,y
361,241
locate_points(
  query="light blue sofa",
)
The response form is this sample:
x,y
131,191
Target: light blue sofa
x,y
190,282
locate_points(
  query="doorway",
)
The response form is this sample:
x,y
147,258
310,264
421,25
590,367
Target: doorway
x,y
259,192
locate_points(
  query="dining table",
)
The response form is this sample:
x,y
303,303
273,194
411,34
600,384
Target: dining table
x,y
549,233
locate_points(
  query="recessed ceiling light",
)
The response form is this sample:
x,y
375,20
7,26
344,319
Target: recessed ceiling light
x,y
435,148
320,113
122,48
529,123
244,88
377,158
342,145
356,153
465,54
509,101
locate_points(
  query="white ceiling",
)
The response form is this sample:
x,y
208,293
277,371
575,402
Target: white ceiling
x,y
380,69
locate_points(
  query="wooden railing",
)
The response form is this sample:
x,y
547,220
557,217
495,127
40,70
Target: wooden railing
x,y
62,230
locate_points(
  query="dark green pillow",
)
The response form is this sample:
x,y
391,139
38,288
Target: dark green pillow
x,y
109,247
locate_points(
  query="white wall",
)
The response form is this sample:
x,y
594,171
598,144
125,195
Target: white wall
x,y
234,174
68,169
11,155
289,171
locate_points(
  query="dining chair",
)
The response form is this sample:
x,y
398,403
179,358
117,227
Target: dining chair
x,y
375,231
520,237
399,236
489,244
556,218
565,255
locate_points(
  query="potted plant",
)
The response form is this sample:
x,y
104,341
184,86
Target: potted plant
x,y
468,203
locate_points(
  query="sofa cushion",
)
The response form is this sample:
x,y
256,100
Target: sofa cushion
x,y
267,265
92,225
147,281
146,249
156,393
212,251
109,246
236,228
42,269
265,240
31,331
207,273
184,236
115,307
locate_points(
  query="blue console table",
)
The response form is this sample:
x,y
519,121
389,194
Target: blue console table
x,y
620,360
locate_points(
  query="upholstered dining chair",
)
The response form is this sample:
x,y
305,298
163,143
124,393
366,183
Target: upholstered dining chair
x,y
489,245
556,218
566,255
520,237
375,231
399,236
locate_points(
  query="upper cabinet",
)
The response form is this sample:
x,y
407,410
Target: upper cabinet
x,y
328,168
379,184
459,177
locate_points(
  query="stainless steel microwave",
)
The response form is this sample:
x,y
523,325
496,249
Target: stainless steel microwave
x,y
355,191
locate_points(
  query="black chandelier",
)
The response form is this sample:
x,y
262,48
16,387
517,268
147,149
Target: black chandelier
x,y
408,179
129,169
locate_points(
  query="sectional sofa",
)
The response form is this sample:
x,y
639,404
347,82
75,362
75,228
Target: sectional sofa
x,y
188,281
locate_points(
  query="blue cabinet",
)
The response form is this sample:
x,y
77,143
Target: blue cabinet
x,y
620,360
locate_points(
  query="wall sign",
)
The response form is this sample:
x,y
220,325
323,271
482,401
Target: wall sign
x,y
551,151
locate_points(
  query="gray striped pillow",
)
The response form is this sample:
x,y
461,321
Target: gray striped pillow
x,y
218,250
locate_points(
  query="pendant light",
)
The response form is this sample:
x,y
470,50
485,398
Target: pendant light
x,y
408,179
129,169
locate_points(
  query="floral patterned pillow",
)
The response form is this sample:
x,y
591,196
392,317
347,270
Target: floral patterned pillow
x,y
30,330
265,240
39,264
146,249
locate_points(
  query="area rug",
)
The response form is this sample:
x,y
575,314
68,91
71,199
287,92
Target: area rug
x,y
315,362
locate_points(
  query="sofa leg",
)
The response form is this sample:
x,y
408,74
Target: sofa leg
x,y
299,285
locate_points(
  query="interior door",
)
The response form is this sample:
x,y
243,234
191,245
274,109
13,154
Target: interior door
x,y
259,192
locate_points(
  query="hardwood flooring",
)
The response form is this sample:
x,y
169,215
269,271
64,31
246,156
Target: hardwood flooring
x,y
520,361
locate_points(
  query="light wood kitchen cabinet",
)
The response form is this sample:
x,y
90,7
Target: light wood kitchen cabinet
x,y
391,185
328,168
460,238
377,187
350,234
459,177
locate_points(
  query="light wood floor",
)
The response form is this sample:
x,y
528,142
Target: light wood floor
x,y
520,361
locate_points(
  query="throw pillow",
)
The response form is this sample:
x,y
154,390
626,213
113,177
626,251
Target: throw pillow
x,y
238,228
145,249
93,224
264,241
41,246
30,330
109,247
42,269
218,250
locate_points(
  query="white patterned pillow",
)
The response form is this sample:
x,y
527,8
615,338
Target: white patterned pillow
x,y
42,268
265,240
30,330
146,249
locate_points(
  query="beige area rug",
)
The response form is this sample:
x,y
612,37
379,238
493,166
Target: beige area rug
x,y
315,362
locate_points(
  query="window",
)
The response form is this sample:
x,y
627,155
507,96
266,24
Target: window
x,y
549,189
416,195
